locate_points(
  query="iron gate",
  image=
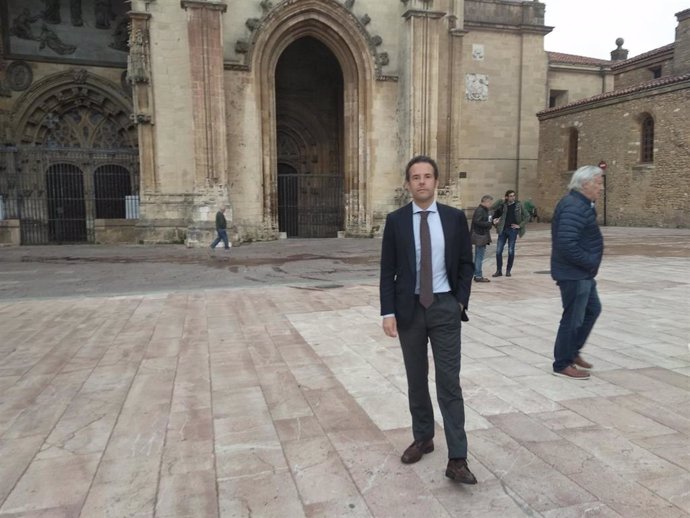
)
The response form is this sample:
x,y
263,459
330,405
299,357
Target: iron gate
x,y
310,205
57,194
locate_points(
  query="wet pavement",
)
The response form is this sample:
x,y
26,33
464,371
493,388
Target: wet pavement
x,y
172,382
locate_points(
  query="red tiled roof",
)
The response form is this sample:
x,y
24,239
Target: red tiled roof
x,y
645,55
571,59
649,85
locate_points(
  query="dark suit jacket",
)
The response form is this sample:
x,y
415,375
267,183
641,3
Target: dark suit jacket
x,y
399,264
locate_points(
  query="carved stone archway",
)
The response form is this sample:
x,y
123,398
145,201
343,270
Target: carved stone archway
x,y
334,26
78,93
75,159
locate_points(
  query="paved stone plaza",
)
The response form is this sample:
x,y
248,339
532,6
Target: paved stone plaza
x,y
169,382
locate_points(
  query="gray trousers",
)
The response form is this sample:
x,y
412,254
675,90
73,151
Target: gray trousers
x,y
440,325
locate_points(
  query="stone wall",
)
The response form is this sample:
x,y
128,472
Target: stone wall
x,y
113,231
577,84
635,76
637,194
498,137
504,12
10,232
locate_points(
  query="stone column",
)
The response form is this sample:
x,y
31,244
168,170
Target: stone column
x,y
205,33
423,30
205,28
139,76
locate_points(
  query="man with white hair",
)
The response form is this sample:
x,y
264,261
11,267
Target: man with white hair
x,y
577,247
221,229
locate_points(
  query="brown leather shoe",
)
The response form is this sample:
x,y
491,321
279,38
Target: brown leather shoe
x,y
582,363
572,372
458,471
416,450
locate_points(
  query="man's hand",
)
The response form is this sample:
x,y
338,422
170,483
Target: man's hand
x,y
390,327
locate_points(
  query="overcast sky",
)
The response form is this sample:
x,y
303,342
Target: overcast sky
x,y
590,27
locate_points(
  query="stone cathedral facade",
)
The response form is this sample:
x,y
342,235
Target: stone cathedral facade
x,y
136,120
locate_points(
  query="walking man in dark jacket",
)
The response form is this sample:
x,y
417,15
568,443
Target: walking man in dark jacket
x,y
510,219
481,235
221,229
577,247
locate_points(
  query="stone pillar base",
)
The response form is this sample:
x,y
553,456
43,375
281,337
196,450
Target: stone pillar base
x,y
10,232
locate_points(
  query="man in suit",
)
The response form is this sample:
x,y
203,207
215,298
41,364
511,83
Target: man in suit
x,y
426,276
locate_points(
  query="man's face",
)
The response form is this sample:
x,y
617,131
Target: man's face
x,y
593,188
422,184
486,203
510,198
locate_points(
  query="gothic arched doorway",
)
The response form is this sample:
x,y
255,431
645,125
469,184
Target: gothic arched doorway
x,y
75,162
330,26
309,128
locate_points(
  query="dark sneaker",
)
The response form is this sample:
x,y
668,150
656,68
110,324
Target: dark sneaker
x,y
508,274
497,274
481,279
458,471
572,372
416,451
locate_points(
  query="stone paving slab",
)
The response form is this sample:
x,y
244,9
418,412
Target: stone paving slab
x,y
277,394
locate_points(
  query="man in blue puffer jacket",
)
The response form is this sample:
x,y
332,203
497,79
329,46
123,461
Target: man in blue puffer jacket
x,y
576,250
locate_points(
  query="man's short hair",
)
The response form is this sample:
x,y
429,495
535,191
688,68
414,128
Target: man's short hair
x,y
508,193
421,159
583,175
487,197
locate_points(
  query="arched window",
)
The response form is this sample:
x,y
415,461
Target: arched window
x,y
573,142
647,140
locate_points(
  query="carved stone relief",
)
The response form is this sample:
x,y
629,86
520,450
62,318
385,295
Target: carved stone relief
x,y
381,59
478,52
253,23
90,30
57,112
124,83
137,61
121,36
19,76
476,87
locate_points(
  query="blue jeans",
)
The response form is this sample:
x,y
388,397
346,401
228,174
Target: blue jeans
x,y
222,236
478,260
510,235
581,308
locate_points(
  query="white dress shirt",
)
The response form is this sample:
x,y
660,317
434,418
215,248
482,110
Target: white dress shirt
x,y
438,247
